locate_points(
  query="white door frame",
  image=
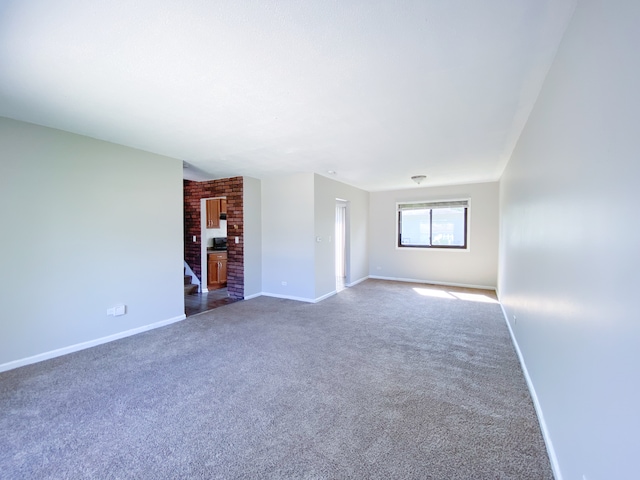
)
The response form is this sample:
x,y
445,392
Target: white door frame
x,y
346,253
204,263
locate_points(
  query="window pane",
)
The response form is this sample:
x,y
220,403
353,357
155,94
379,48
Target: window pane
x,y
415,227
448,227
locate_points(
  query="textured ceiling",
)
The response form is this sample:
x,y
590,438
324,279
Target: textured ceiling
x,y
375,90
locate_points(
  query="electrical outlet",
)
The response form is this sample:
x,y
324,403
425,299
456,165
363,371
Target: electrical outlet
x,y
515,320
284,284
117,311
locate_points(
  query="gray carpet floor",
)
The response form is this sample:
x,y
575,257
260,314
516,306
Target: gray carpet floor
x,y
375,382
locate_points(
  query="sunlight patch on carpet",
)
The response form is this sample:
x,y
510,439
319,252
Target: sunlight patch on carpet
x,y
469,297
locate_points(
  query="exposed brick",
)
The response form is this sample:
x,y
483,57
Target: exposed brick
x,y
232,188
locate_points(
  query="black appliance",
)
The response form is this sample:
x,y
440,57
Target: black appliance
x,y
219,243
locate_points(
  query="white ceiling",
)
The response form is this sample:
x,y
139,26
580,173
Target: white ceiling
x,y
375,90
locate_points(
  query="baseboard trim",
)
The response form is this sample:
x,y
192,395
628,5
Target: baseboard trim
x,y
432,282
555,466
299,299
91,343
353,284
288,297
254,295
325,296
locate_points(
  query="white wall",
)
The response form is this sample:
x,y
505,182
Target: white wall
x,y
570,244
211,233
86,225
475,267
326,192
296,209
288,245
252,240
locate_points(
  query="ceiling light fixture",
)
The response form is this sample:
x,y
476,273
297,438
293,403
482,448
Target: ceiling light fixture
x,y
418,178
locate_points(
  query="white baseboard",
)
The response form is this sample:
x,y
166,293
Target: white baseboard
x,y
288,297
91,343
555,466
325,296
249,297
352,284
299,299
432,282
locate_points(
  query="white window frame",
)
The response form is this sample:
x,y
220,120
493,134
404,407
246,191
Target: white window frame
x,y
439,202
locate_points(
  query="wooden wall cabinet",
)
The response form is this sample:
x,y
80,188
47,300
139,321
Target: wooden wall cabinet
x,y
213,213
215,207
217,270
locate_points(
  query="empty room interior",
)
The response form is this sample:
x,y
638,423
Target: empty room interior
x,y
418,216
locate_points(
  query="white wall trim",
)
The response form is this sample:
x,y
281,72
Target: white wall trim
x,y
299,299
555,466
288,297
432,282
353,284
81,346
325,296
249,297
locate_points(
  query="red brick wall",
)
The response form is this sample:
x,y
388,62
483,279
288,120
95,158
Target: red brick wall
x,y
232,188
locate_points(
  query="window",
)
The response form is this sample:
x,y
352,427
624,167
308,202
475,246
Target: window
x,y
433,224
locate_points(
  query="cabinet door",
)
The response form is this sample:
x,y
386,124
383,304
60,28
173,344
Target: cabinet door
x,y
212,271
213,213
217,270
222,277
223,205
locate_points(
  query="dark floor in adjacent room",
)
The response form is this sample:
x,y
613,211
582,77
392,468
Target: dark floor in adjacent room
x,y
202,302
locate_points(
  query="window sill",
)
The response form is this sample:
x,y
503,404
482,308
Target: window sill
x,y
432,249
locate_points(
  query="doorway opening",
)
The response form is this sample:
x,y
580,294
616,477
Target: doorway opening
x,y
195,234
213,232
341,244
213,228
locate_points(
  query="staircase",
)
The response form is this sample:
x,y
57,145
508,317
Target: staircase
x,y
189,288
